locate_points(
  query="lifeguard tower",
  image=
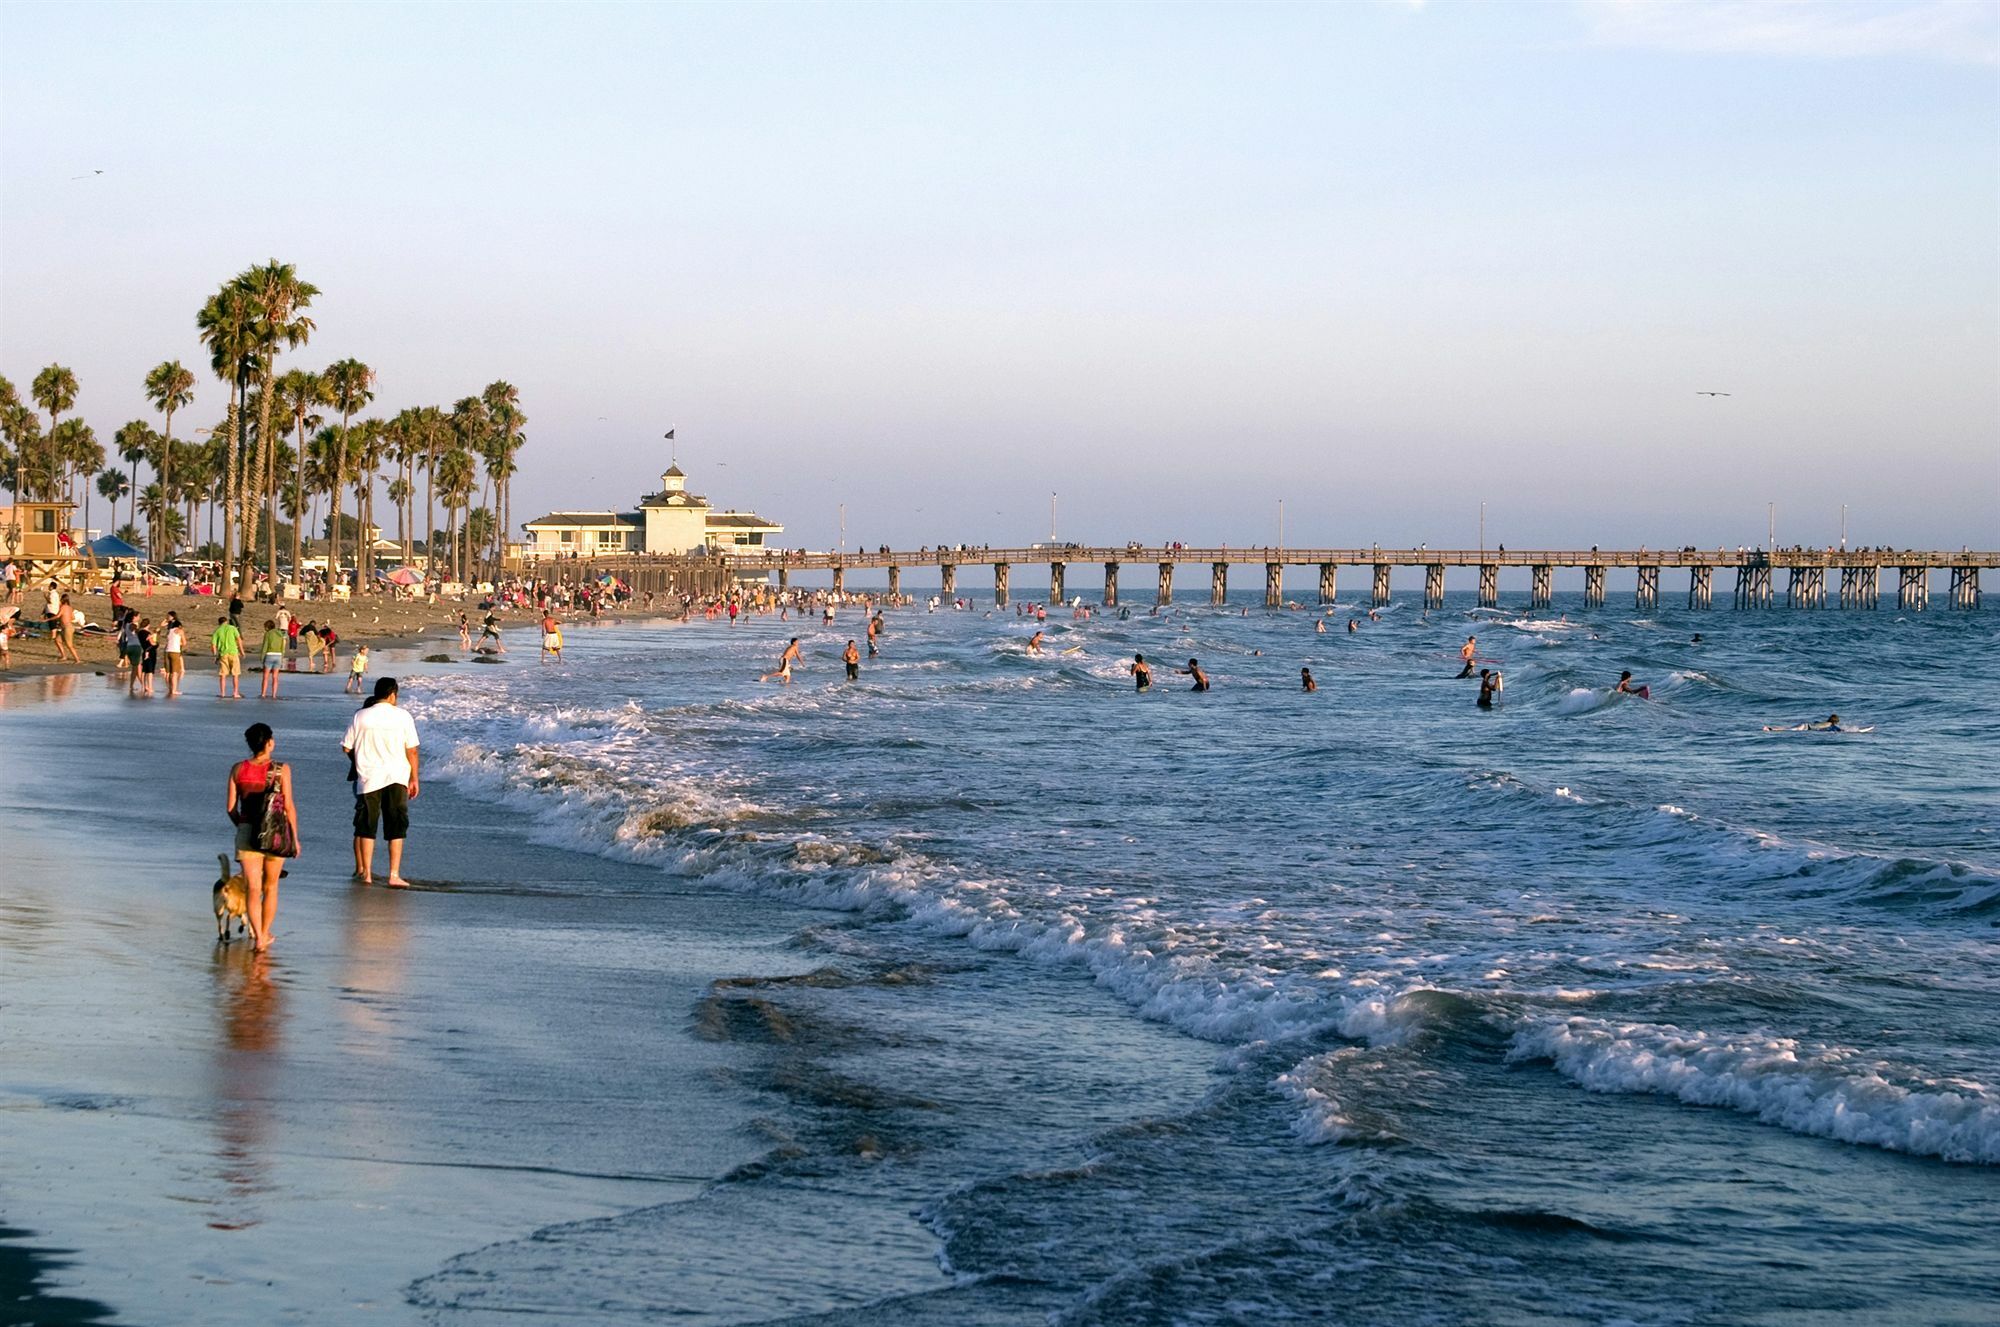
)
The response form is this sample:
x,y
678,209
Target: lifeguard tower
x,y
38,536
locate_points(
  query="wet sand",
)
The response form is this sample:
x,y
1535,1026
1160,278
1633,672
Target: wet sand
x,y
194,1133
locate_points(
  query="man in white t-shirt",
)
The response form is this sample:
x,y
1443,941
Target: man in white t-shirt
x,y
381,741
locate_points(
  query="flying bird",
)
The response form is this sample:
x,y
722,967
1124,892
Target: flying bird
x,y
85,177
1711,393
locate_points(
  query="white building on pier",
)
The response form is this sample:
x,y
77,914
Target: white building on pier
x,y
671,521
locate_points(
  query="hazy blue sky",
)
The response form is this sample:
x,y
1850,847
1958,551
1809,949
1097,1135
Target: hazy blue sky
x,y
1176,262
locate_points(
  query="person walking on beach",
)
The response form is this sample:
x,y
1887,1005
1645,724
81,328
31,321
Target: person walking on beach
x,y
65,632
274,659
149,656
551,637
227,642
783,672
381,740
357,673
852,658
173,654
267,830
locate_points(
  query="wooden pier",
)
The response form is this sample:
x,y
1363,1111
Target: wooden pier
x,y
1806,571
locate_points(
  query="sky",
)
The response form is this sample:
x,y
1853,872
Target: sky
x,y
1176,264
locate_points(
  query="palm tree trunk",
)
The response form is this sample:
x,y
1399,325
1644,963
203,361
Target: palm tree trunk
x,y
232,445
304,506
166,476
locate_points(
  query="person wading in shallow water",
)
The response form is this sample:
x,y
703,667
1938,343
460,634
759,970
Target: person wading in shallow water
x,y
382,741
1193,670
1142,673
783,672
852,658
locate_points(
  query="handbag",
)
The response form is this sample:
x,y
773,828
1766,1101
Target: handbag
x,y
275,837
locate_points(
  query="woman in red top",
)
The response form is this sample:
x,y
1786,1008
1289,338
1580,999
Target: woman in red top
x,y
252,783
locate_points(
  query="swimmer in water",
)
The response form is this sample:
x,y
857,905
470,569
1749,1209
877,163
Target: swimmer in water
x,y
1193,670
1353,625
1625,684
851,656
1306,680
783,672
1696,640
1142,672
1035,643
1832,725
1467,652
1319,627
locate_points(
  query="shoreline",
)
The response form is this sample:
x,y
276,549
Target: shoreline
x,y
200,1134
32,659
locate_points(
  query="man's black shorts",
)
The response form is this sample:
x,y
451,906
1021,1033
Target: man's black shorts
x,y
390,806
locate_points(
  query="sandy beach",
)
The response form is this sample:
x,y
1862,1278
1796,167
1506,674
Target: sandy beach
x,y
197,1134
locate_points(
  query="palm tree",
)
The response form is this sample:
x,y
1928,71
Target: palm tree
x,y
503,404
400,491
351,384
434,437
135,442
55,391
74,450
280,298
301,390
361,458
228,327
170,387
112,486
457,477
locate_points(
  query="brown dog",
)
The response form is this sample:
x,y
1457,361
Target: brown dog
x,y
232,901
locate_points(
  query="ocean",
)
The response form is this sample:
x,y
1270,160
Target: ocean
x,y
1259,1006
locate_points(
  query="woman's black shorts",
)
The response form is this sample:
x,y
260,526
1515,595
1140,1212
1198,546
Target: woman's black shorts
x,y
388,806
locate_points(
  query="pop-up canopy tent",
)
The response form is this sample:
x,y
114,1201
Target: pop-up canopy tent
x,y
111,546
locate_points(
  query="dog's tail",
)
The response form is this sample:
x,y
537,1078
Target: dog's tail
x,y
224,860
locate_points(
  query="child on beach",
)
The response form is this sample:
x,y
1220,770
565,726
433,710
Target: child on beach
x,y
357,671
274,658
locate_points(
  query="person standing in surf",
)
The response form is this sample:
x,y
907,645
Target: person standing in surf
x,y
1306,682
381,740
1193,670
1142,673
1467,653
851,656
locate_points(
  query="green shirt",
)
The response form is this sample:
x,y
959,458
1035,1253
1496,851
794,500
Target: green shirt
x,y
226,640
274,641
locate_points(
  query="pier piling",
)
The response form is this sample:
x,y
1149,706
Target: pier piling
x,y
839,581
1965,587
1056,570
948,574
1541,585
1593,586
1166,584
1111,585
1913,589
1218,584
1274,585
1434,585
1701,587
895,582
1327,585
1647,596
1489,585
1000,573
1381,583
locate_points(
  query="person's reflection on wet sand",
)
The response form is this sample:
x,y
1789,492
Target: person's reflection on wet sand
x,y
250,1007
373,978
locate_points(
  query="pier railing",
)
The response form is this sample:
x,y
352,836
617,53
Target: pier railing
x,y
1860,569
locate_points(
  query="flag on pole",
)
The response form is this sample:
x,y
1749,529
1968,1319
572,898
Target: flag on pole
x,y
670,435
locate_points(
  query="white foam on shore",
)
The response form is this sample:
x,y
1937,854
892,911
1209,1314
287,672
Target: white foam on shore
x,y
1828,1092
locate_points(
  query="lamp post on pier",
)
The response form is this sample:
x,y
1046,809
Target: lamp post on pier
x,y
1052,516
